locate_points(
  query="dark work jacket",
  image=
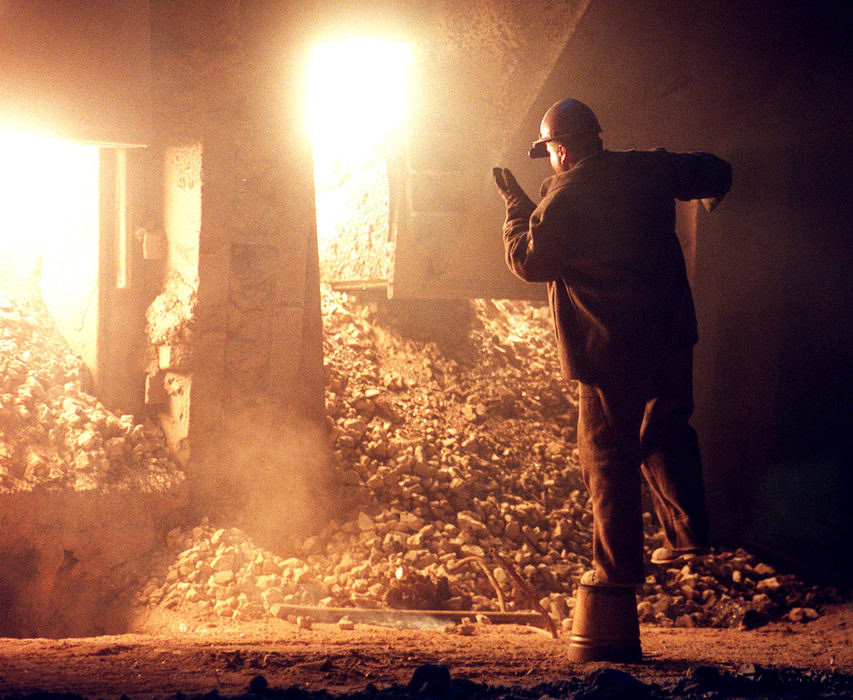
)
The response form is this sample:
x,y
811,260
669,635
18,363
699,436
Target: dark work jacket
x,y
603,238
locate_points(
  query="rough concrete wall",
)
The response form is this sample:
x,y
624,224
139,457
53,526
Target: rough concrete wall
x,y
273,292
101,38
776,364
240,222
182,182
494,55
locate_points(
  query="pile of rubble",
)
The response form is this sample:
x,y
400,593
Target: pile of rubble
x,y
53,432
454,451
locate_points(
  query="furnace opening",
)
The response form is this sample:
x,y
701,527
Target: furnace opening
x,y
49,232
358,103
72,460
49,191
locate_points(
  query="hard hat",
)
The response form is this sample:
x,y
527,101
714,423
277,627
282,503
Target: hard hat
x,y
564,120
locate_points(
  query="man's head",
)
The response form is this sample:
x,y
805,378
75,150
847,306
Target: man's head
x,y
568,133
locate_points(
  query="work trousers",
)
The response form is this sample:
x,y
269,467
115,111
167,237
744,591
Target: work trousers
x,y
638,420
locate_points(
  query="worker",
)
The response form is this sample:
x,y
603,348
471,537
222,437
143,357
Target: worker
x,y
603,239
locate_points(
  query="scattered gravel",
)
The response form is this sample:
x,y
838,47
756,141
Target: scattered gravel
x,y
453,437
53,432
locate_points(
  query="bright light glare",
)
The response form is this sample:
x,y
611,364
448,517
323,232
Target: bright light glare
x,y
46,188
357,94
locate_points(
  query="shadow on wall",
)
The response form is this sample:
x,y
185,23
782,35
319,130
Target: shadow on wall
x,y
775,363
18,569
71,560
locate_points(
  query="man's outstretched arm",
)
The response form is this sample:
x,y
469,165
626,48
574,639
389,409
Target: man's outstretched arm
x,y
701,176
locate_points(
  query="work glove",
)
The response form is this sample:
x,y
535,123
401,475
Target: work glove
x,y
518,204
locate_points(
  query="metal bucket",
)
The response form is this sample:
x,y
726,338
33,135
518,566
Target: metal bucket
x,y
605,625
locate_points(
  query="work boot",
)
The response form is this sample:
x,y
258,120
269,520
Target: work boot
x,y
664,556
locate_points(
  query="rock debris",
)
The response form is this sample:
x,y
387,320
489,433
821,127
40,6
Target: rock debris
x,y
54,433
453,435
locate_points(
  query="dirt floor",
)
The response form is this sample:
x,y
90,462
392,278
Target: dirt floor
x,y
182,657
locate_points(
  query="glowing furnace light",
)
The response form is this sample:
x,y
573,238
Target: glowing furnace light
x,y
357,96
357,103
47,189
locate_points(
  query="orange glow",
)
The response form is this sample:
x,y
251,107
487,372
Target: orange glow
x,y
357,96
49,232
357,102
48,188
